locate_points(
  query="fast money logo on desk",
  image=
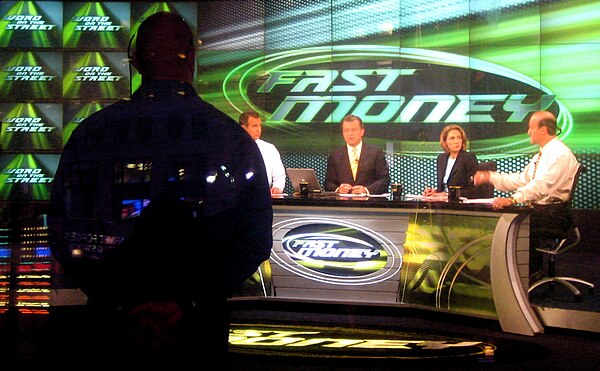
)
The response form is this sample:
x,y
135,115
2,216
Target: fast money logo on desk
x,y
336,252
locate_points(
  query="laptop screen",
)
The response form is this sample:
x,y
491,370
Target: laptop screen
x,y
298,175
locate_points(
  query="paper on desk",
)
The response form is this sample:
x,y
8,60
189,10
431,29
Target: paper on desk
x,y
429,198
464,200
379,195
364,195
477,200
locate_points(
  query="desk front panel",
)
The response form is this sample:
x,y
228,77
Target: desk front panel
x,y
347,254
427,257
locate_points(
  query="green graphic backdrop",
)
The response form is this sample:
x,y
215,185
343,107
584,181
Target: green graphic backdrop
x,y
543,51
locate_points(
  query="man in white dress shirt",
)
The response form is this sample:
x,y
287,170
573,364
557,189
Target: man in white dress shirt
x,y
548,178
252,123
545,183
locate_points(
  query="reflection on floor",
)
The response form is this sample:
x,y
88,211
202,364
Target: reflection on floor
x,y
549,351
348,337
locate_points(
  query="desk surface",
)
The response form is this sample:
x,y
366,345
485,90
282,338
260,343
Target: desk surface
x,y
378,202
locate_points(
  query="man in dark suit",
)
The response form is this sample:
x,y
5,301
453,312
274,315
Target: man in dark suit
x,y
356,167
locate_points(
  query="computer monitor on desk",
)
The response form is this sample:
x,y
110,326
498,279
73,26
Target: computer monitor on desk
x,y
298,175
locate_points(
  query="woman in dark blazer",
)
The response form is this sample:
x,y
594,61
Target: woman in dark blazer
x,y
455,166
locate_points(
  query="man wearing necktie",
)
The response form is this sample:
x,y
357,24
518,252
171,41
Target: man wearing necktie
x,y
545,183
356,167
354,162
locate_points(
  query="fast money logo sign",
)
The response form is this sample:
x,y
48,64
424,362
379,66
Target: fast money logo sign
x,y
335,252
418,90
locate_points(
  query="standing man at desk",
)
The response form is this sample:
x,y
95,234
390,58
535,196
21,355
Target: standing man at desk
x,y
251,122
545,183
356,167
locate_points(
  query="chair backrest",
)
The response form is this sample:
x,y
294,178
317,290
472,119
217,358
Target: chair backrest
x,y
487,165
573,236
580,170
486,190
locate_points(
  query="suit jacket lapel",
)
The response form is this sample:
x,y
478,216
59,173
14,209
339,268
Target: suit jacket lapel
x,y
457,165
442,168
346,167
365,156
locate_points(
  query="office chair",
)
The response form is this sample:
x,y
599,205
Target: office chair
x,y
560,247
486,190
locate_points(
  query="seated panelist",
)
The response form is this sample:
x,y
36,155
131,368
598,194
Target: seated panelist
x,y
356,167
456,166
251,122
545,184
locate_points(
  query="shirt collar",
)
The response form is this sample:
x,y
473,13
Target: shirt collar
x,y
358,147
550,144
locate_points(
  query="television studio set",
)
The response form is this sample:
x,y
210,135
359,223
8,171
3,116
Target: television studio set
x,y
354,280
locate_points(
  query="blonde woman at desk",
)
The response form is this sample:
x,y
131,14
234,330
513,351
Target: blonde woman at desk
x,y
456,166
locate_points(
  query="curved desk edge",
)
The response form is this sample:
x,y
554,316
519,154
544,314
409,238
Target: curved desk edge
x,y
510,298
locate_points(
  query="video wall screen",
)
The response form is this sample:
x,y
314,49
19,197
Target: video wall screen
x,y
407,67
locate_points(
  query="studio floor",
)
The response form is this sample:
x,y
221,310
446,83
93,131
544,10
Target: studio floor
x,y
555,349
411,336
419,338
